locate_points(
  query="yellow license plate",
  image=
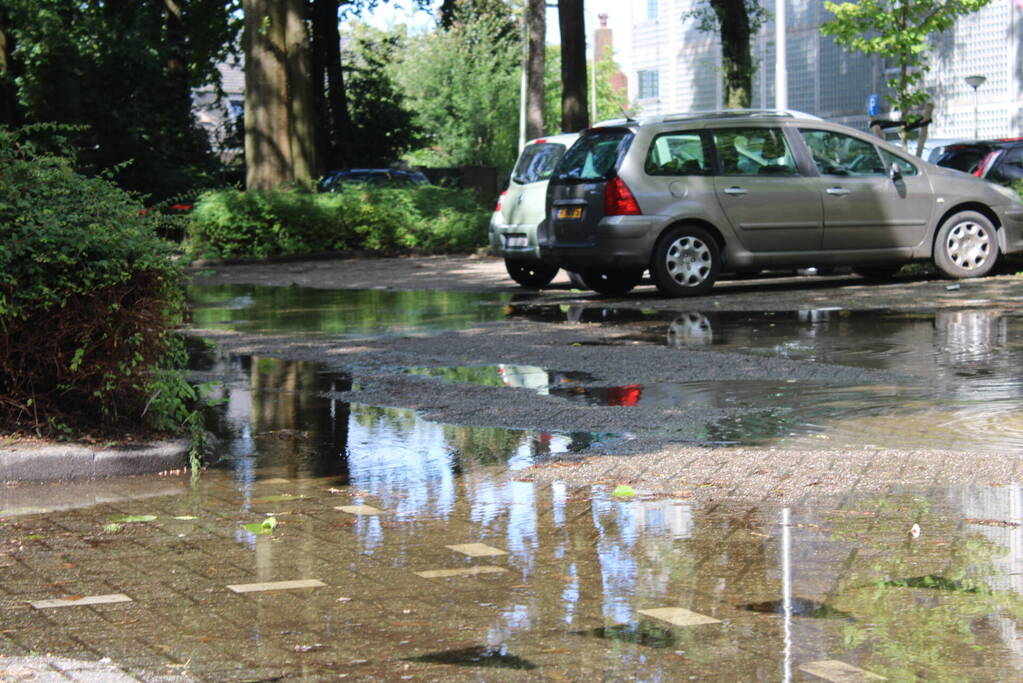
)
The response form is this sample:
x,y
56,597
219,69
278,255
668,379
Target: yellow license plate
x,y
570,212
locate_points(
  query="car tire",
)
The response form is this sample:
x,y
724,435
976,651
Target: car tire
x,y
966,246
611,281
686,261
530,273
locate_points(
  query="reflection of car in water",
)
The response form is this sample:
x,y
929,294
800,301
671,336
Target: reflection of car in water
x,y
521,208
690,329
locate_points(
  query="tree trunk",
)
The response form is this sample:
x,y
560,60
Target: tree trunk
x,y
279,135
334,122
536,27
574,114
736,59
9,115
301,110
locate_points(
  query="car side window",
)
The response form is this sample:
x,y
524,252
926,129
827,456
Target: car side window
x,y
754,151
1010,168
839,154
674,154
906,167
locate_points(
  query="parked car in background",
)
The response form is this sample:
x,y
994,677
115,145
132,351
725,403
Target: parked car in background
x,y
521,208
387,177
1000,161
688,197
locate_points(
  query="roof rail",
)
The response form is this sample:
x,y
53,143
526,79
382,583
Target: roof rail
x,y
735,113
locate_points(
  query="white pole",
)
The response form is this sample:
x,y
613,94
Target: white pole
x,y
781,70
522,81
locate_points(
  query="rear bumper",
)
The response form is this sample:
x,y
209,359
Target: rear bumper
x,y
616,241
500,232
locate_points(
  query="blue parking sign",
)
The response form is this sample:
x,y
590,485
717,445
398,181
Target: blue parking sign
x,y
873,105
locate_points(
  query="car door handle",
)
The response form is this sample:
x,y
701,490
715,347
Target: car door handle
x,y
837,191
735,191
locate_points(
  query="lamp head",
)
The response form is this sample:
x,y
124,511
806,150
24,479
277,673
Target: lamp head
x,y
975,81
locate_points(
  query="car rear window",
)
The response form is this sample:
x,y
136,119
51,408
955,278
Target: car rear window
x,y
594,156
963,157
537,162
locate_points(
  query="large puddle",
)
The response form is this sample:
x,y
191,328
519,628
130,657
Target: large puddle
x,y
337,539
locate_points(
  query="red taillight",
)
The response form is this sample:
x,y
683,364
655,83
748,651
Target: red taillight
x,y
982,167
540,141
619,200
500,200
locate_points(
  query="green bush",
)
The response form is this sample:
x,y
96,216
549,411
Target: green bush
x,y
88,299
233,224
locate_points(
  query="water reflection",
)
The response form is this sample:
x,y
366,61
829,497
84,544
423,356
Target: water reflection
x,y
252,308
770,592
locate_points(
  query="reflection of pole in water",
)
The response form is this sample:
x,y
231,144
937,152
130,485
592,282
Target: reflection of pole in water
x,y
786,587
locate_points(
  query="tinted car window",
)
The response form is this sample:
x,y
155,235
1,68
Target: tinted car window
x,y
839,154
594,156
1010,167
754,151
677,154
906,167
537,162
963,157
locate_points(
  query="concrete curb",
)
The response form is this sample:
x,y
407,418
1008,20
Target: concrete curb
x,y
64,462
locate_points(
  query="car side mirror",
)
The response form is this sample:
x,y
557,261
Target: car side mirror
x,y
895,173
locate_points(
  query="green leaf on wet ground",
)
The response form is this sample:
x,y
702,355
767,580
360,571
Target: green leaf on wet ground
x,y
624,491
279,498
133,519
263,528
113,528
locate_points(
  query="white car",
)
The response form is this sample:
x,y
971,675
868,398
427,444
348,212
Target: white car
x,y
521,209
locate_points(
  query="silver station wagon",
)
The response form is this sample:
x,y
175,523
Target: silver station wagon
x,y
689,197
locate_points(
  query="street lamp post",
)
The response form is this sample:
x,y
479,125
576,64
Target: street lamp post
x,y
975,82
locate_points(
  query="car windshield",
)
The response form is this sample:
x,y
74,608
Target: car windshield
x,y
594,156
537,162
963,157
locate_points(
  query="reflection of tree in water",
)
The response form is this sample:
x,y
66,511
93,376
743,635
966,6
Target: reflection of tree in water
x,y
298,428
922,609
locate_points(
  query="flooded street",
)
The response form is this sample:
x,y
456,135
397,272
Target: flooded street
x,y
446,486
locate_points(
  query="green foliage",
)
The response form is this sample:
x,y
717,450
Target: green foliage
x,y
232,223
463,84
124,72
88,298
382,127
897,30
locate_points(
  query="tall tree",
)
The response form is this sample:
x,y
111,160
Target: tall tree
x,y
279,133
736,22
123,72
333,120
897,30
463,85
536,31
574,113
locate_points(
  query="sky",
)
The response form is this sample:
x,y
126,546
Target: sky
x,y
619,20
